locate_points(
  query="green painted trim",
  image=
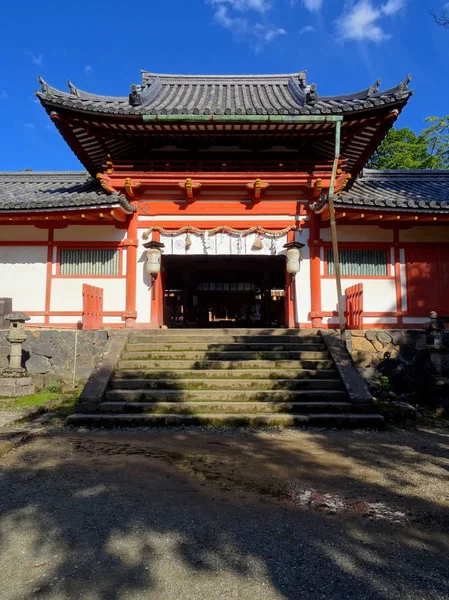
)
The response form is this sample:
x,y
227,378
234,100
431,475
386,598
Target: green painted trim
x,y
244,118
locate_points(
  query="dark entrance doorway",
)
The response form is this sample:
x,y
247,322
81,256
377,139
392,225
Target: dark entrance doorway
x,y
224,291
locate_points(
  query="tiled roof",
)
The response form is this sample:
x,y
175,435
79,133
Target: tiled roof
x,y
53,190
222,95
405,190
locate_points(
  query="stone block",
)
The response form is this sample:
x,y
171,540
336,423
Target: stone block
x,y
358,332
38,364
399,338
14,387
421,343
360,344
42,348
384,337
371,334
361,359
377,345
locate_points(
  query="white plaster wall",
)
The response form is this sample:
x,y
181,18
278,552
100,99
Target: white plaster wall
x,y
358,233
66,294
65,320
434,233
375,320
143,283
302,280
22,233
379,295
23,272
89,233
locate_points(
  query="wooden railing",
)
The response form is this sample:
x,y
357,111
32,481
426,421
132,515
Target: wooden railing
x,y
354,306
92,307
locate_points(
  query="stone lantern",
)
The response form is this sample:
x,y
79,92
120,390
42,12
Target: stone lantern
x,y
16,336
14,380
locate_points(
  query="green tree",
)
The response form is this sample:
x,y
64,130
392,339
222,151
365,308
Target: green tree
x,y
402,149
437,140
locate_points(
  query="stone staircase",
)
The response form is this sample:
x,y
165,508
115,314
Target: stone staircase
x,y
275,377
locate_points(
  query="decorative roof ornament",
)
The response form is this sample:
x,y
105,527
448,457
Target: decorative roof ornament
x,y
135,97
302,78
311,95
374,88
44,84
73,89
403,86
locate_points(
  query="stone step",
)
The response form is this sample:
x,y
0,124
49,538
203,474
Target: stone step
x,y
143,395
223,339
224,364
223,408
252,332
187,346
121,383
350,420
253,375
225,355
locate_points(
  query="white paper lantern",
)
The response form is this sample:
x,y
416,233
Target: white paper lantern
x,y
153,264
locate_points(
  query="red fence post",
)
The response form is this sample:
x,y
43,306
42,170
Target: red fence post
x,y
354,306
92,307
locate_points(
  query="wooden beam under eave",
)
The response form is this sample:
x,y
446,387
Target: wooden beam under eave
x,y
106,217
355,217
119,215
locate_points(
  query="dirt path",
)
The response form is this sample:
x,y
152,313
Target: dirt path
x,y
196,515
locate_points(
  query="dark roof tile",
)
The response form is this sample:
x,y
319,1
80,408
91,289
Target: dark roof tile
x,y
26,191
404,190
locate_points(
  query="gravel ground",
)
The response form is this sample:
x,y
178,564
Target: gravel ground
x,y
194,515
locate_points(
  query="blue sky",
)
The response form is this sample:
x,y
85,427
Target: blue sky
x,y
344,45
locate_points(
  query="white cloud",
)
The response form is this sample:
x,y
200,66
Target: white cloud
x,y
307,29
3,95
313,5
361,20
392,7
244,5
36,59
271,34
235,15
33,99
28,125
88,69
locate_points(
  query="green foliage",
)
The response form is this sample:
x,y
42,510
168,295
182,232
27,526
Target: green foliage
x,y
401,149
404,149
26,402
55,385
384,384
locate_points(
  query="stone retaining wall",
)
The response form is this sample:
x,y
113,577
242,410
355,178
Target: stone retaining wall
x,y
401,356
50,354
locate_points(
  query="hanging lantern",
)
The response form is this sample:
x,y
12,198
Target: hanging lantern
x,y
258,243
154,256
188,240
293,257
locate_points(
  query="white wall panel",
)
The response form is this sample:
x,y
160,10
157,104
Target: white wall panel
x,y
358,233
379,295
90,233
143,296
22,233
66,293
23,272
302,280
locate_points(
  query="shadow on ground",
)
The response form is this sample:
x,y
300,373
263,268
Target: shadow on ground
x,y
135,515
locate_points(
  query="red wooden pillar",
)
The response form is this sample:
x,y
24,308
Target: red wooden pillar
x,y
131,243
157,295
315,270
290,293
397,277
